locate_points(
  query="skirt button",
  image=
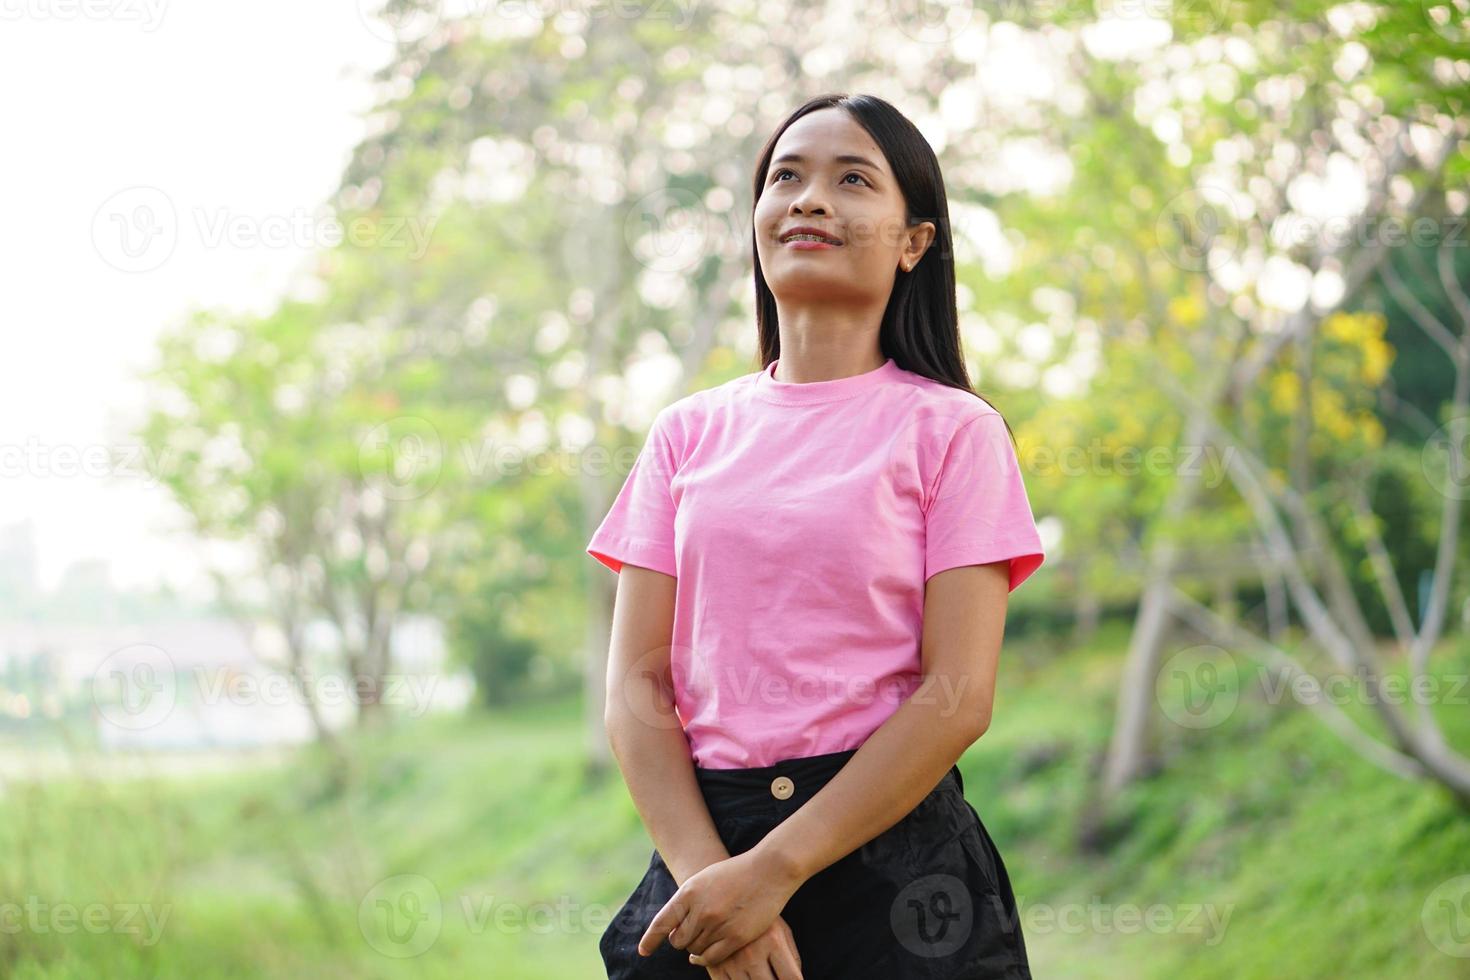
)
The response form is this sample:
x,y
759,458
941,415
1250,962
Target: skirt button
x,y
782,788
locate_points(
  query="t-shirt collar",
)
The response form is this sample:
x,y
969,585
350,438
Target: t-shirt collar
x,y
814,392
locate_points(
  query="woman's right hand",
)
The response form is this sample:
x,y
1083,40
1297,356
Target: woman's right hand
x,y
770,956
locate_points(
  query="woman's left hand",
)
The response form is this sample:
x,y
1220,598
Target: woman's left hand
x,y
721,908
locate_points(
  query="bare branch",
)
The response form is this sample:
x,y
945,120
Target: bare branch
x,y
1230,635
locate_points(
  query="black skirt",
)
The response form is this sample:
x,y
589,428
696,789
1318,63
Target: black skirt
x,y
927,899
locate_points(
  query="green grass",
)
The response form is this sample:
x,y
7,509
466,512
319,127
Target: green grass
x,y
1315,863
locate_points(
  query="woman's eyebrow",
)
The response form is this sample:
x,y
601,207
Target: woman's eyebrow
x,y
842,158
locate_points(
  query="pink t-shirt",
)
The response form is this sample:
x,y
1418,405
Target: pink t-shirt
x,y
802,521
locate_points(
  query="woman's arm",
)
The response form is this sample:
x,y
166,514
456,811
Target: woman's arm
x,y
643,731
907,756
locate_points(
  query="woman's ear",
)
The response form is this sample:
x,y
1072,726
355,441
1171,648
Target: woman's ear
x,y
920,238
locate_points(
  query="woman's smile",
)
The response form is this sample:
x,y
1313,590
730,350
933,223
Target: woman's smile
x,y
805,237
804,244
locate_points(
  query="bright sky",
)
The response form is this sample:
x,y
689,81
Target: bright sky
x,y
243,114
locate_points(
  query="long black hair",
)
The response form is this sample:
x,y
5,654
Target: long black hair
x,y
920,328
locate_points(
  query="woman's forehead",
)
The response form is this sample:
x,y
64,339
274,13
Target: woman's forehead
x,y
840,141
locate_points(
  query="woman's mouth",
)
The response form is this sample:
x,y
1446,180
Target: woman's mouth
x,y
807,239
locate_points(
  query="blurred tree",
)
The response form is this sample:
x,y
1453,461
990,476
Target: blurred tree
x,y
309,446
1220,256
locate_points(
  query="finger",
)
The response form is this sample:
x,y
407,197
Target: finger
x,y
714,953
728,970
665,922
697,937
690,935
785,963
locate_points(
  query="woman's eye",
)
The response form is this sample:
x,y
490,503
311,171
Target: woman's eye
x,y
776,177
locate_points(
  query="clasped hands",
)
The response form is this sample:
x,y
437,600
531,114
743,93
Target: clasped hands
x,y
726,907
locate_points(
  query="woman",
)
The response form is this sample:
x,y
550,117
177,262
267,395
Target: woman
x,y
814,562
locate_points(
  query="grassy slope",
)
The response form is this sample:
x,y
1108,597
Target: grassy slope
x,y
1322,863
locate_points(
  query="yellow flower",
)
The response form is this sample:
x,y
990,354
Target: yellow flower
x,y
1285,391
1186,310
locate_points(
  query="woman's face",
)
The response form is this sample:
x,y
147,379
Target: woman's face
x,y
827,173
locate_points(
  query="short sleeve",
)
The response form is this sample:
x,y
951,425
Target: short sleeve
x,y
978,511
639,526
